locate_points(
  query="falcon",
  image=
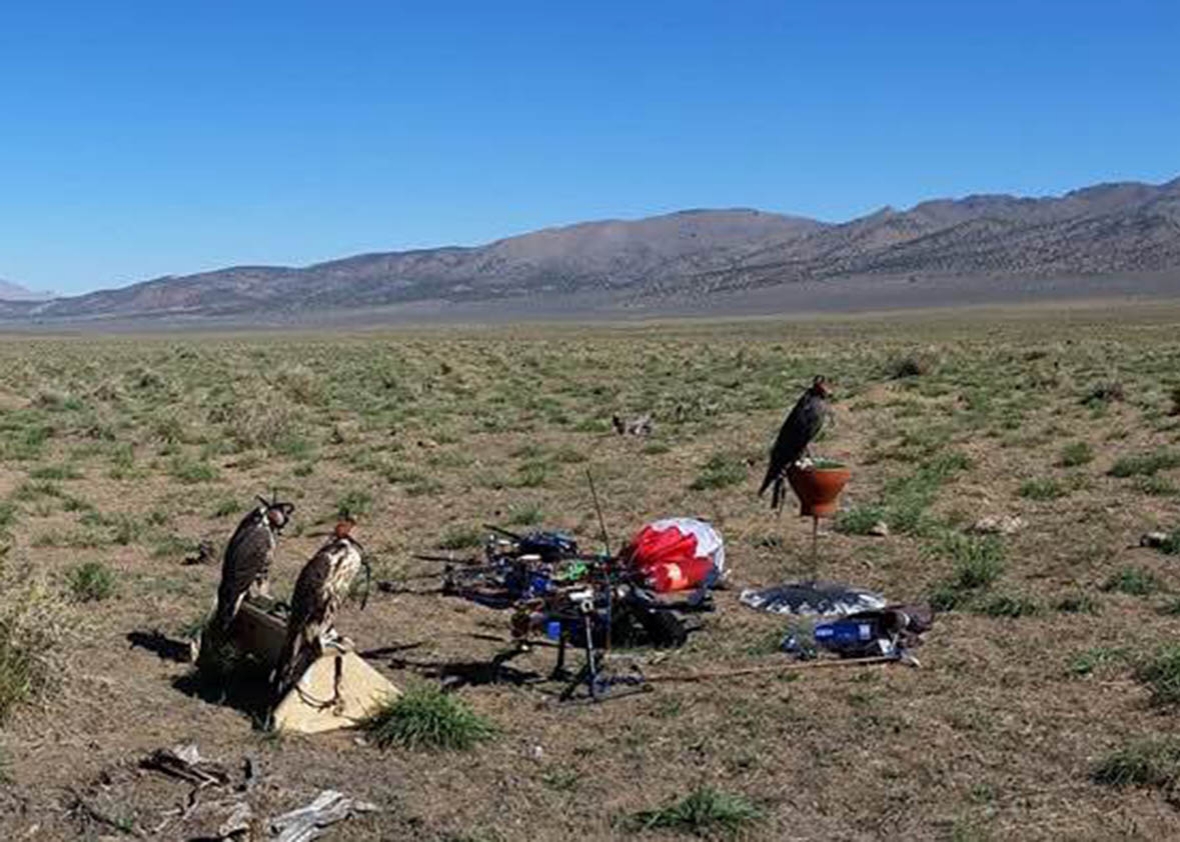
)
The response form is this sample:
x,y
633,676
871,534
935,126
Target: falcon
x,y
798,431
246,565
320,589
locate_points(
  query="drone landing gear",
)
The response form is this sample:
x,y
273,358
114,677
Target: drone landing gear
x,y
600,684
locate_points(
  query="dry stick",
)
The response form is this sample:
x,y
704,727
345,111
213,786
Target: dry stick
x,y
705,676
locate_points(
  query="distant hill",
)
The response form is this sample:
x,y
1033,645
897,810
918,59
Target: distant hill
x,y
15,292
1108,229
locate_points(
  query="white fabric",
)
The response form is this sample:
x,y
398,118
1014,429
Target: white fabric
x,y
709,542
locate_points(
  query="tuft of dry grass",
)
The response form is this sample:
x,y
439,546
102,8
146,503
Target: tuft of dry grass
x,y
33,627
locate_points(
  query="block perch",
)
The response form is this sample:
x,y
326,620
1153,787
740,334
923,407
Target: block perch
x,y
337,690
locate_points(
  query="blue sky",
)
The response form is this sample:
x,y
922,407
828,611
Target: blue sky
x,y
140,139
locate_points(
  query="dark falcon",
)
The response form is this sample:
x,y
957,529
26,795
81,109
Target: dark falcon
x,y
801,427
246,565
321,587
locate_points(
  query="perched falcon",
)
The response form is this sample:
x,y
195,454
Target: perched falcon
x,y
321,587
246,565
801,427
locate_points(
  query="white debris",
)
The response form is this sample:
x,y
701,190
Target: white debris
x,y
312,821
998,525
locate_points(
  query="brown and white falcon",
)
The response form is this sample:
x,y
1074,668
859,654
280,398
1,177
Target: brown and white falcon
x,y
320,589
246,566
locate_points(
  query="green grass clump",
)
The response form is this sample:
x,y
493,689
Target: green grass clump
x,y
91,581
1086,662
703,812
1135,581
460,538
1002,605
55,472
224,508
424,717
1078,453
721,471
909,365
527,514
1079,603
1151,762
907,498
191,472
1162,676
1102,394
1145,464
1156,486
978,562
533,474
860,520
7,517
979,559
1041,489
354,503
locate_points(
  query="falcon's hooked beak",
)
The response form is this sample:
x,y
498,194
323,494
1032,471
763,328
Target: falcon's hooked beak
x,y
820,386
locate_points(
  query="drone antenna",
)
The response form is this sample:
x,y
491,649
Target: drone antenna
x,y
598,509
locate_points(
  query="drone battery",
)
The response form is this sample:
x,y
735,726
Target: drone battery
x,y
847,636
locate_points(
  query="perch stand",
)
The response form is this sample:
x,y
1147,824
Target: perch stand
x,y
336,691
818,490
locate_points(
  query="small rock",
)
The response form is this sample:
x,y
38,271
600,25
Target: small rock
x,y
536,752
998,525
238,823
880,529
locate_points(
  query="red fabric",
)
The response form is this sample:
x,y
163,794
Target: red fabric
x,y
668,559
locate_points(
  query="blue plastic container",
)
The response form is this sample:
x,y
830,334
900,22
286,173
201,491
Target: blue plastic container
x,y
848,635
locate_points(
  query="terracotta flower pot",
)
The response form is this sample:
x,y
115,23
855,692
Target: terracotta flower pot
x,y
818,489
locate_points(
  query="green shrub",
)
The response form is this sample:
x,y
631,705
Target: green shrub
x,y
703,812
1135,581
1162,676
354,503
1078,453
91,581
1009,606
191,472
424,717
532,474
1153,762
1078,604
909,365
460,538
1145,464
1156,486
1086,662
720,471
860,520
527,514
978,561
1041,489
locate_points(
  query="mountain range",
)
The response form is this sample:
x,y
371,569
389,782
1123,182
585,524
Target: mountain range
x,y
10,291
1104,230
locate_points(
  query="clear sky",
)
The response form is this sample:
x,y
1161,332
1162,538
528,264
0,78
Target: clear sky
x,y
150,138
